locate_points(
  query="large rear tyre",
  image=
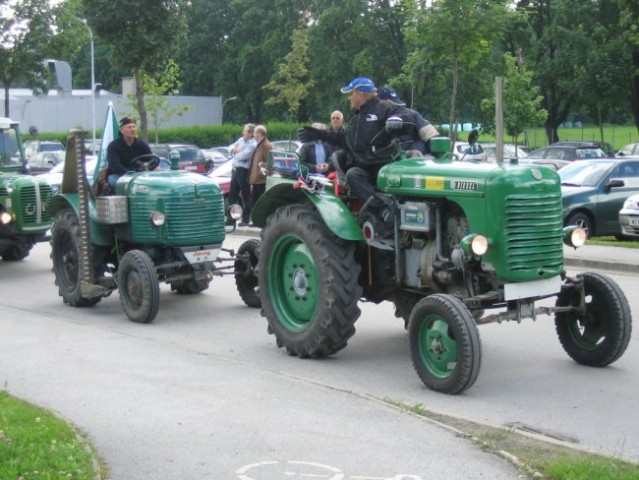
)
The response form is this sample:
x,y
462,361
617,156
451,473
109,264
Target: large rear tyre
x,y
245,277
138,286
599,335
444,344
308,283
65,253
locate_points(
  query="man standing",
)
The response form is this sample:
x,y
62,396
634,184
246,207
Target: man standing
x,y
315,155
337,121
260,156
123,149
242,151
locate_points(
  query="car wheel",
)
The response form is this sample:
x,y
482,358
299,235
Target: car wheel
x,y
581,220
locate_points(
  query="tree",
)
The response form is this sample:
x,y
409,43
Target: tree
x,y
520,103
453,36
628,21
290,84
142,33
24,43
158,91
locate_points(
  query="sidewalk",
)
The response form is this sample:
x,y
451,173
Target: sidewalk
x,y
588,257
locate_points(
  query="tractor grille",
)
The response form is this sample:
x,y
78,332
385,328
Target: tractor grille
x,y
187,222
32,205
533,232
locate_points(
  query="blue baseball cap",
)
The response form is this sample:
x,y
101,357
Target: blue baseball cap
x,y
360,83
387,93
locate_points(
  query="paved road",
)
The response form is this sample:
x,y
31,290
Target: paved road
x,y
199,394
203,393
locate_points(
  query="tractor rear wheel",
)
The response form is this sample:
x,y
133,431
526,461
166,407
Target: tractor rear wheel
x,y
65,253
138,286
444,344
308,283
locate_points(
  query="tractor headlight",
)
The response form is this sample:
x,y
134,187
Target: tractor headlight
x,y
235,211
475,244
5,218
158,219
575,236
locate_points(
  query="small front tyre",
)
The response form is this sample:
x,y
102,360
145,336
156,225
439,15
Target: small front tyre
x,y
245,276
138,286
599,335
444,344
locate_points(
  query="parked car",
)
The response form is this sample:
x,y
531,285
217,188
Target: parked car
x,y
222,175
630,150
287,145
629,217
54,176
593,192
608,149
31,147
192,158
42,162
463,151
510,151
216,156
557,156
224,150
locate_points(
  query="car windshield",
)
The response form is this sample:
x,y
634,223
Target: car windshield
x,y
584,174
583,153
51,147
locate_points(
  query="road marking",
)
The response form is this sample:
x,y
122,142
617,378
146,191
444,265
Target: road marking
x,y
303,470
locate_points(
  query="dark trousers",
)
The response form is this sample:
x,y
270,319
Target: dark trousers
x,y
241,185
257,189
360,182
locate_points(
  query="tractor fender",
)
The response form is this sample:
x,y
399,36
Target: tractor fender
x,y
100,234
336,215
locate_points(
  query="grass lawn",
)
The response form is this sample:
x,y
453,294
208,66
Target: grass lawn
x,y
35,444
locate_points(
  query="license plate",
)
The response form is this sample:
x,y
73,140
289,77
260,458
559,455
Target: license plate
x,y
190,167
634,222
201,256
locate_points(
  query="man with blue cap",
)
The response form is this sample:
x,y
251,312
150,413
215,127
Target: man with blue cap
x,y
367,141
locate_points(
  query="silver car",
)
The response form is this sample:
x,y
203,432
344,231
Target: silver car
x,y
629,217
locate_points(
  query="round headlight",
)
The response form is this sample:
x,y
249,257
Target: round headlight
x,y
578,237
158,219
479,245
5,218
235,211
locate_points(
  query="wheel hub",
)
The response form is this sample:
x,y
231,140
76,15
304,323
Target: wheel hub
x,y
300,281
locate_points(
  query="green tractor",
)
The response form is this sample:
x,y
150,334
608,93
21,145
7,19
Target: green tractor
x,y
23,219
159,226
466,238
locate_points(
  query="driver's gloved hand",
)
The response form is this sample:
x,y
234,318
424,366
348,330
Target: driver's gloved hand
x,y
394,125
309,134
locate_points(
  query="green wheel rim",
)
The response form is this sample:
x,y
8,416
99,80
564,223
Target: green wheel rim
x,y
293,283
437,347
587,332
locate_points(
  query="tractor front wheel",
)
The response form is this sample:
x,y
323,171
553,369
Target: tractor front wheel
x,y
245,277
598,335
444,344
138,286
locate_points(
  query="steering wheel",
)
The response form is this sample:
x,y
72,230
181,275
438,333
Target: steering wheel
x,y
146,162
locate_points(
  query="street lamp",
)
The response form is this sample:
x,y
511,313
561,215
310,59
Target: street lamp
x,y
84,21
230,99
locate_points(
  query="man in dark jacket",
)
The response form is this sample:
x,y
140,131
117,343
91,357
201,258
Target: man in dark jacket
x,y
367,140
123,149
